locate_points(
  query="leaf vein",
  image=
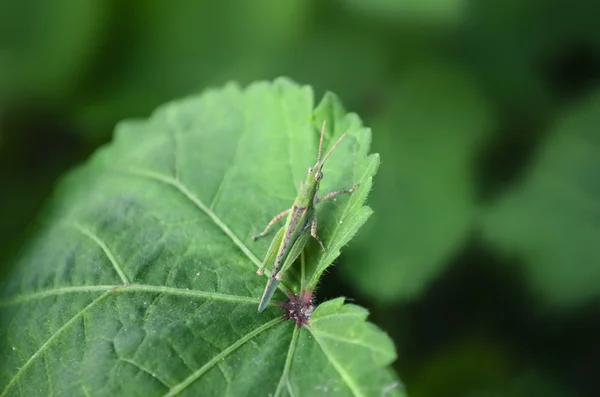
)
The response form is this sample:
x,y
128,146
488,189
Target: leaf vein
x,y
288,362
52,337
170,118
289,389
215,360
130,288
231,165
359,315
288,130
351,341
198,203
345,376
141,368
107,252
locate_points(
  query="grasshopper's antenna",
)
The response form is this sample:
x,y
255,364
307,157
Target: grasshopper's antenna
x,y
321,142
331,150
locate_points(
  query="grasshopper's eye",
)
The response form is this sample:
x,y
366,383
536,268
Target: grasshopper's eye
x,y
319,176
309,170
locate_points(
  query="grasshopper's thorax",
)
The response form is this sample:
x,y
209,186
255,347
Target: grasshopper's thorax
x,y
310,186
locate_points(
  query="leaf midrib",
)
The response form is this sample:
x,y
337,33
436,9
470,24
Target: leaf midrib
x,y
288,362
159,289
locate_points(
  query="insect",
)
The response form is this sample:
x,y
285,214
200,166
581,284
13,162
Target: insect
x,y
301,219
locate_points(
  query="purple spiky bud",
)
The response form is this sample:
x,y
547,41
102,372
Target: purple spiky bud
x,y
298,308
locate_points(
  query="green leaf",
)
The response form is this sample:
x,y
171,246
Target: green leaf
x,y
550,219
349,352
425,193
141,279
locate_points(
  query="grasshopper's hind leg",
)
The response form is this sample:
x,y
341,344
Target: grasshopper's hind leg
x,y
275,278
273,221
272,252
294,253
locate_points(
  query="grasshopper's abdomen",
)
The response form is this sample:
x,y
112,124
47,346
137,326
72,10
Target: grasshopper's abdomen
x,y
296,225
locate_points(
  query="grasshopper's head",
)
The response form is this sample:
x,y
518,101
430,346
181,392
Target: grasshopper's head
x,y
314,174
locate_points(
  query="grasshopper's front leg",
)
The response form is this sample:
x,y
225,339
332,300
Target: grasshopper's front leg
x,y
313,226
313,232
333,194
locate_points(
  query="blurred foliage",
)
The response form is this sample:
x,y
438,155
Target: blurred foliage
x,y
467,365
530,384
48,46
550,219
420,11
437,114
484,112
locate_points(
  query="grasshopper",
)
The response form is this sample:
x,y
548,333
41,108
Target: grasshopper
x,y
291,238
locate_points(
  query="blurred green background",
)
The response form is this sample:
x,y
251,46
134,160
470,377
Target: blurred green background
x,y
482,259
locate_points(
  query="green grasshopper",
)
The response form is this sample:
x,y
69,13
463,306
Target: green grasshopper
x,y
291,239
